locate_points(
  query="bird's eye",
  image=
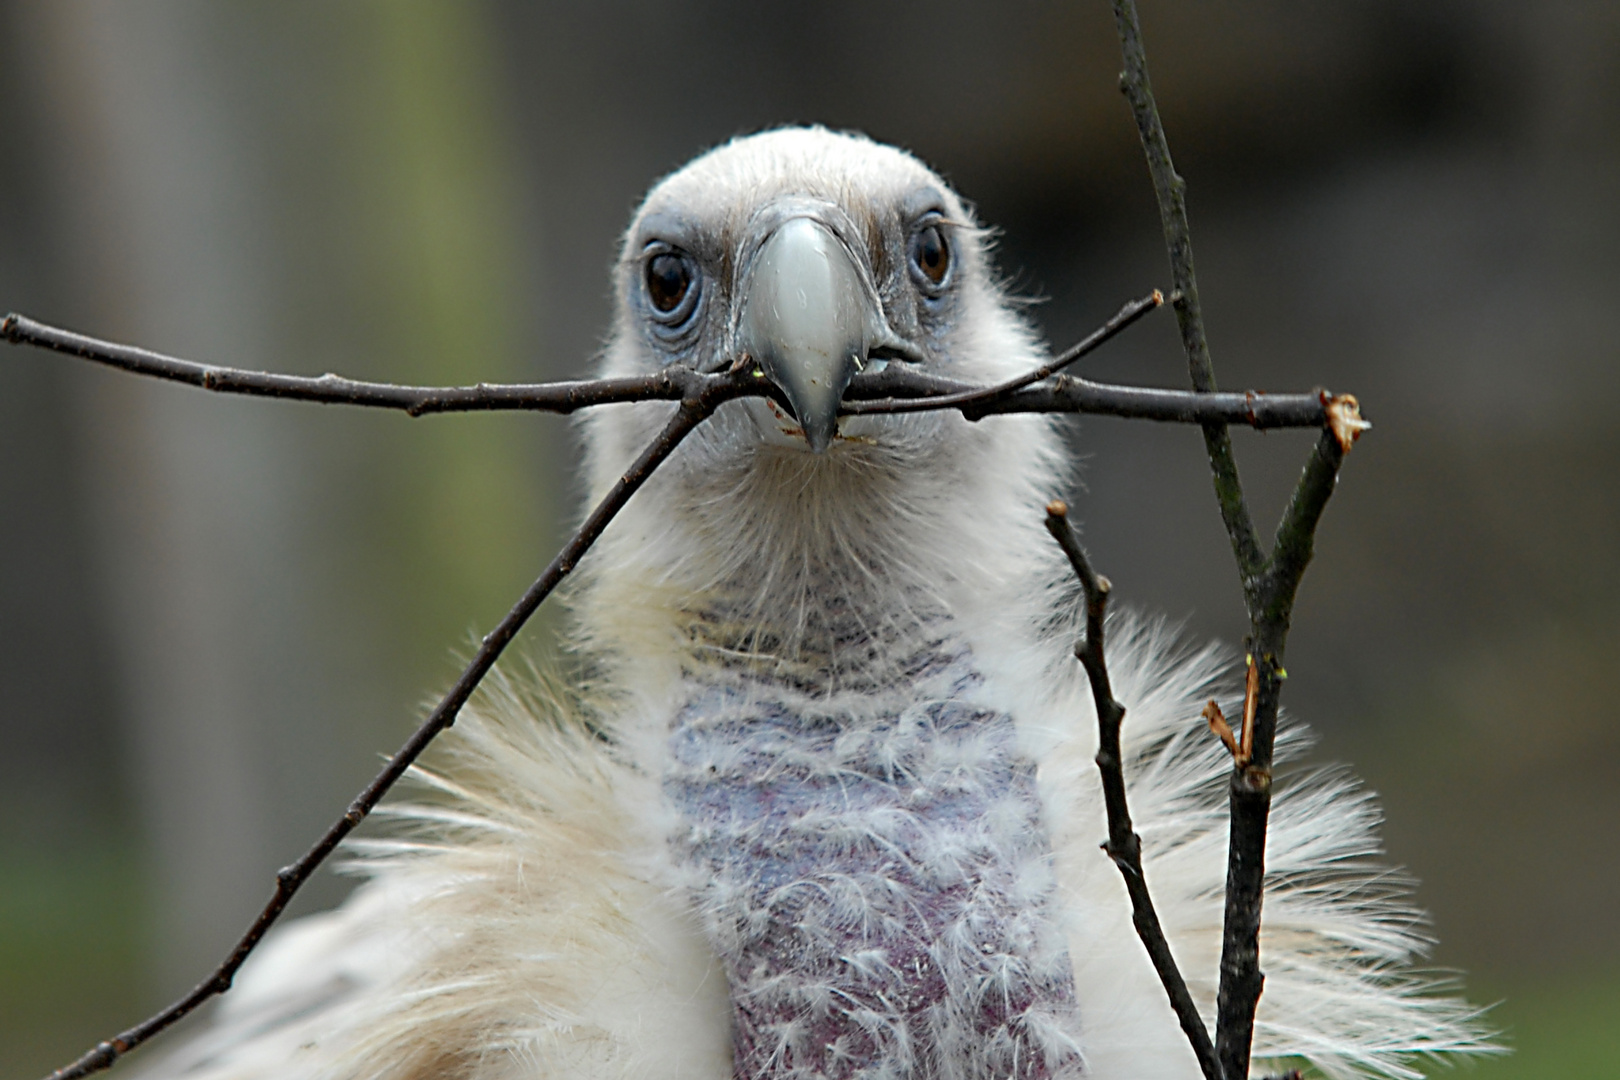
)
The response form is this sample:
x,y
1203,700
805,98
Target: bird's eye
x,y
669,281
931,255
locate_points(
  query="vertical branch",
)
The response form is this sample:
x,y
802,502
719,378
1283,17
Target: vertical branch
x,y
1269,583
1171,190
1271,612
1124,846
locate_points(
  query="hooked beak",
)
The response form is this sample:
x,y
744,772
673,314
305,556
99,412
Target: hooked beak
x,y
811,317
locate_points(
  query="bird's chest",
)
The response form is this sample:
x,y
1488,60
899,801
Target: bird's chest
x,y
875,879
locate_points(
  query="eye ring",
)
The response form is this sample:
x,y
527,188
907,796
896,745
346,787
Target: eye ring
x,y
671,283
930,257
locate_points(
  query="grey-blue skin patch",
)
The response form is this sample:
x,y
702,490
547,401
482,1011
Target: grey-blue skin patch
x,y
877,887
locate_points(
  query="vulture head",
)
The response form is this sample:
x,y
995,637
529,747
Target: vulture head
x,y
819,255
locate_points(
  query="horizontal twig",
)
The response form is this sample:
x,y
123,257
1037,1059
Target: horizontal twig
x,y
671,384
1071,394
896,389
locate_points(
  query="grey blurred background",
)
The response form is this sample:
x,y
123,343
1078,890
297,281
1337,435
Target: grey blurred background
x,y
214,614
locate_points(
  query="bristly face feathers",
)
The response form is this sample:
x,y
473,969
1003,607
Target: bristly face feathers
x,y
825,806
894,518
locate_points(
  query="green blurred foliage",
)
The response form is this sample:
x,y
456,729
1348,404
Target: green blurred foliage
x,y
72,961
1557,1030
437,202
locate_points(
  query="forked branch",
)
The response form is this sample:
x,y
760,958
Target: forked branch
x,y
1270,582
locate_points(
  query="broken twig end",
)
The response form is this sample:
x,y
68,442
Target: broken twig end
x,y
1344,419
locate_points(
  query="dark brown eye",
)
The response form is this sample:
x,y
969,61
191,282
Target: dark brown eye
x,y
930,254
669,279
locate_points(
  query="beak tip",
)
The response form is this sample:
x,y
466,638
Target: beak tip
x,y
810,314
819,438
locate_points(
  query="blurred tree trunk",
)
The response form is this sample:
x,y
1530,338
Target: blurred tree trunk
x,y
282,583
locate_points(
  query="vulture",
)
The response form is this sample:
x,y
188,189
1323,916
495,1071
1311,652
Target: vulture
x,y
814,795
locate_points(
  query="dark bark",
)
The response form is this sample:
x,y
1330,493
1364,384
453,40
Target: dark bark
x,y
1123,845
289,879
1270,583
899,388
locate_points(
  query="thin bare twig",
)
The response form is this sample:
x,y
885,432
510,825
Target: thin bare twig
x,y
1270,583
1171,190
671,384
1221,729
1271,609
689,414
897,389
1124,846
972,401
1070,394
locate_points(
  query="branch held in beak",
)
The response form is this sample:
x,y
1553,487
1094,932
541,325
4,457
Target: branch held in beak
x,y
811,318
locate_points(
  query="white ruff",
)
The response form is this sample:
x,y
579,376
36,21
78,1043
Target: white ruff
x,y
532,918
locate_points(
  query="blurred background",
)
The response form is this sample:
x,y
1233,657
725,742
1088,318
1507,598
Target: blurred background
x,y
215,614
